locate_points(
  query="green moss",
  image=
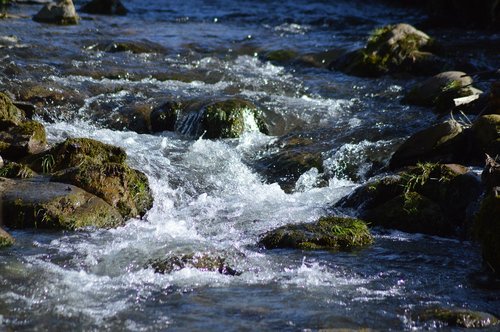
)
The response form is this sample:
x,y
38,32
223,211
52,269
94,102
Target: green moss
x,y
9,114
5,239
230,118
34,129
329,233
459,318
15,170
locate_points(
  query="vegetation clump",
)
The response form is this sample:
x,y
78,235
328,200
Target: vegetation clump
x,y
328,233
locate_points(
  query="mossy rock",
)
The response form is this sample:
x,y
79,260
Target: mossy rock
x,y
200,261
328,233
16,170
440,90
62,12
6,240
75,151
9,114
443,143
412,213
486,131
104,7
25,138
487,228
392,48
124,188
280,55
458,318
165,116
51,205
48,93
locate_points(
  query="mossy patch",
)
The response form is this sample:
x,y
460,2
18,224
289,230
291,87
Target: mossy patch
x,y
328,233
459,318
16,170
280,55
9,114
6,240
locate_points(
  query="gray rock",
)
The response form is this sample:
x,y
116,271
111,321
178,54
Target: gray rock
x,y
61,12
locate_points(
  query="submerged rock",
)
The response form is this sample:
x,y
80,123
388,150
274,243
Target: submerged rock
x,y
461,318
100,169
60,12
6,240
428,198
440,90
227,118
37,204
104,7
328,233
203,262
133,46
390,49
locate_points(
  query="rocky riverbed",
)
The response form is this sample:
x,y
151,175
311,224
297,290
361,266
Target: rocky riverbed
x,y
288,165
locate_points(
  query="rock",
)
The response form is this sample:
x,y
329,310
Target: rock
x,y
124,188
487,228
427,198
391,49
6,240
292,156
440,90
226,118
280,55
61,12
26,138
329,233
99,169
439,143
16,170
104,7
486,131
9,114
203,262
458,318
48,93
37,204
135,117
164,117
133,46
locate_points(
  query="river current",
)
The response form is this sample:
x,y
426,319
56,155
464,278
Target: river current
x,y
209,196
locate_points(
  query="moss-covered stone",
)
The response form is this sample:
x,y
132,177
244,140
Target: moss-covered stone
x,y
124,188
165,116
426,198
461,318
443,142
25,138
75,151
487,228
392,48
104,7
9,114
329,233
16,170
61,12
37,204
280,55
200,261
440,90
486,130
6,240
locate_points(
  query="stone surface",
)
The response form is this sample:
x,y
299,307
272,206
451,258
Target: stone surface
x,y
60,12
37,204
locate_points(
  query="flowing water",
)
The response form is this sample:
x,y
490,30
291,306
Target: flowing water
x,y
209,195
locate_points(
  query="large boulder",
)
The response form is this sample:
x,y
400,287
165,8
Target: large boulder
x,y
457,318
60,12
440,91
200,261
390,49
328,233
99,169
41,204
427,198
104,7
439,143
225,118
6,240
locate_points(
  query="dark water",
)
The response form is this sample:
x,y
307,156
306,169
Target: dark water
x,y
209,195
